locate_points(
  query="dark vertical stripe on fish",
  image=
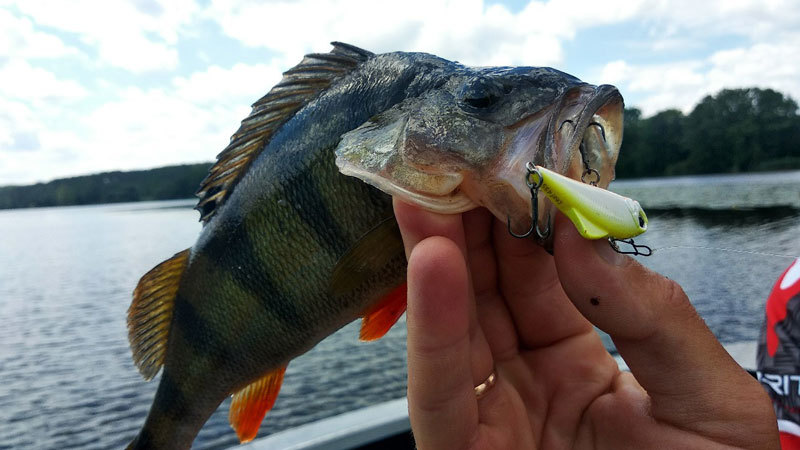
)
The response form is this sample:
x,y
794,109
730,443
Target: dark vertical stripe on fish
x,y
171,400
253,277
305,196
197,332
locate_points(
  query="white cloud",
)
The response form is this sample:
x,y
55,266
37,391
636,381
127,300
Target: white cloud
x,y
764,65
15,118
139,129
19,80
615,72
764,50
682,84
136,36
190,121
756,19
158,128
468,31
19,39
240,85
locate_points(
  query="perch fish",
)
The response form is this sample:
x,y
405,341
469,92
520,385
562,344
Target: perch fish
x,y
292,249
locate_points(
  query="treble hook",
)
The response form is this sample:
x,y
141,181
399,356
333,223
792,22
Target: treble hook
x,y
589,171
534,187
638,249
602,129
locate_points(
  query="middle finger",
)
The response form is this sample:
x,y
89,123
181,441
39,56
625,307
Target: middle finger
x,y
528,280
493,314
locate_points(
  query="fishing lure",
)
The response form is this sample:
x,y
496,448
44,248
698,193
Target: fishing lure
x,y
595,212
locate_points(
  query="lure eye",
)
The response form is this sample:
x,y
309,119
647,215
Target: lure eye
x,y
481,93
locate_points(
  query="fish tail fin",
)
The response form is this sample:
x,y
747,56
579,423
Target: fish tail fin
x,y
150,313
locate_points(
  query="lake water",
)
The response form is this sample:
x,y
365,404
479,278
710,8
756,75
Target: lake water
x,y
66,275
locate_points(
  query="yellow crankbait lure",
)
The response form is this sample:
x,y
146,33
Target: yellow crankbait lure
x,y
596,213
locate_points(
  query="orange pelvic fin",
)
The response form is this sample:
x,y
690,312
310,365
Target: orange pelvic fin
x,y
383,315
150,313
251,403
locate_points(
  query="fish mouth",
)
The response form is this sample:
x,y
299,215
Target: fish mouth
x,y
584,138
579,137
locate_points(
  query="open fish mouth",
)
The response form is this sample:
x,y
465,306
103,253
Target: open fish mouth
x,y
586,134
579,137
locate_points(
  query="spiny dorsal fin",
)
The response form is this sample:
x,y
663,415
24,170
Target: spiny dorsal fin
x,y
251,403
150,314
299,85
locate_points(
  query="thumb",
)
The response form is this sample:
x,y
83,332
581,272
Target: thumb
x,y
690,378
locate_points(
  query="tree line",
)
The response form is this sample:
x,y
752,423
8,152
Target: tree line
x,y
164,183
736,130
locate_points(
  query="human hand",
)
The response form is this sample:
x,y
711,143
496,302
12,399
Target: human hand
x,y
480,301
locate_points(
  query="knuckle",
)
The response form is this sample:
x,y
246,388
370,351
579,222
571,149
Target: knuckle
x,y
675,300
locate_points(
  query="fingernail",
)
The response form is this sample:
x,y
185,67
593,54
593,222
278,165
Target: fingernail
x,y
604,249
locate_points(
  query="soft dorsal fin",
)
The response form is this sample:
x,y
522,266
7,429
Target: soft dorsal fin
x,y
252,402
299,85
150,313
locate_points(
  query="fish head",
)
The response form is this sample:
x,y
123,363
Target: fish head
x,y
466,142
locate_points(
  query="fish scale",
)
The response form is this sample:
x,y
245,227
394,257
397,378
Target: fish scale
x,y
299,237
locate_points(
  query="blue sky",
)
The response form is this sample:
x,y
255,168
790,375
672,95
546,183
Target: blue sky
x,y
96,85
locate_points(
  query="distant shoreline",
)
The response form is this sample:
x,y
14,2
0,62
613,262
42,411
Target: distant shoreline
x,y
164,183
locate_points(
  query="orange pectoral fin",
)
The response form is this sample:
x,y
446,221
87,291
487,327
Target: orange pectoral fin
x,y
250,404
383,315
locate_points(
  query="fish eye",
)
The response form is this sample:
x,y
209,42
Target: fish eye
x,y
481,93
481,102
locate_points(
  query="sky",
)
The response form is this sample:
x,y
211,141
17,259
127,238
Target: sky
x,y
95,85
